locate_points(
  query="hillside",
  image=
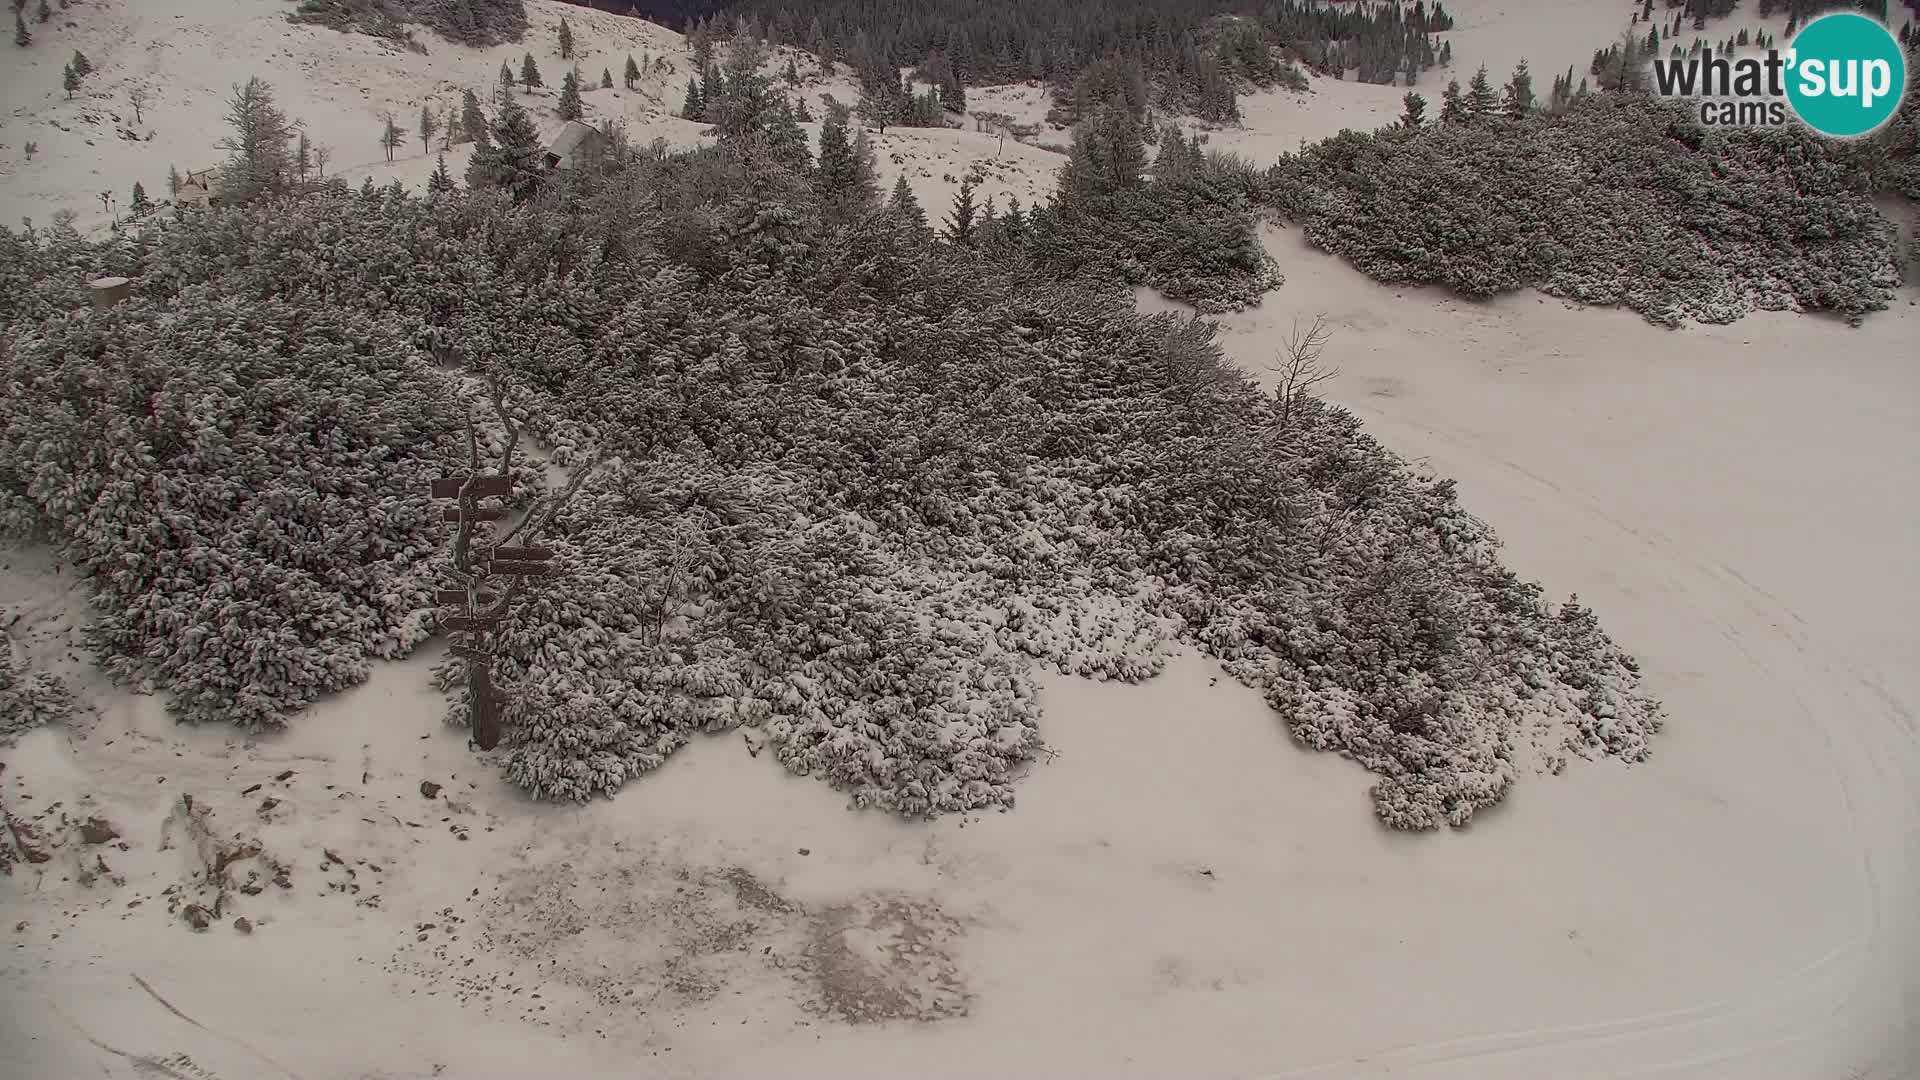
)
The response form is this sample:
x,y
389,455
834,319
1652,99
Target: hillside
x,y
951,673
189,55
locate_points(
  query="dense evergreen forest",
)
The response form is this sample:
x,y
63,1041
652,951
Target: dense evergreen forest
x,y
1190,51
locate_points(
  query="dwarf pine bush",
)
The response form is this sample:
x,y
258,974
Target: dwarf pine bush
x,y
1617,201
29,698
242,482
861,485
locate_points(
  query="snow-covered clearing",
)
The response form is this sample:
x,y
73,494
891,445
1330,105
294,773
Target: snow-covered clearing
x,y
190,54
1734,501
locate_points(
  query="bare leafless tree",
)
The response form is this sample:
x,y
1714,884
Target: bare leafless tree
x,y
320,155
1299,366
138,97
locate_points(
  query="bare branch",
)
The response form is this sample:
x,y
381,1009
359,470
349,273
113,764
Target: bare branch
x,y
497,390
1299,365
463,535
549,506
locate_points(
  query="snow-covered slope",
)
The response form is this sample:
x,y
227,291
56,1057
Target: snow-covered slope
x,y
1180,891
189,55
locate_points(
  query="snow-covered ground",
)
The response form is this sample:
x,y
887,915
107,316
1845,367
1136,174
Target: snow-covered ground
x,y
190,54
1733,501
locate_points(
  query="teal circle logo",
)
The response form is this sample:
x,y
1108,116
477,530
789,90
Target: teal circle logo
x,y
1846,74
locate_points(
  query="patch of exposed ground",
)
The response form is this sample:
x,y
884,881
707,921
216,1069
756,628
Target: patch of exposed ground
x,y
581,941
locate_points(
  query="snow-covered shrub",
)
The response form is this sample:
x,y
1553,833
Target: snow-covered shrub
x,y
29,697
862,484
1192,239
1616,201
243,482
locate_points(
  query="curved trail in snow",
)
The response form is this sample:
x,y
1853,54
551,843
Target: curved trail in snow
x,y
1866,733
1524,403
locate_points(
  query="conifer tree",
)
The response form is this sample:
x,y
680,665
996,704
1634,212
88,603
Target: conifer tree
x,y
712,86
260,148
903,207
70,79
1453,105
1519,100
512,161
566,40
390,135
700,40
843,176
173,181
695,106
789,139
505,93
792,74
570,107
1013,225
631,76
429,124
139,203
530,73
441,181
81,65
473,122
960,222
953,93
866,169
302,156
1482,102
606,79
1416,110
1108,155
745,98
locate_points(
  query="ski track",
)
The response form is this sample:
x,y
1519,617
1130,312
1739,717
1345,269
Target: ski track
x,y
1834,983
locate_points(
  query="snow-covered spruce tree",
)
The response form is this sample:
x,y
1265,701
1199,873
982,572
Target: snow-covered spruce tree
x,y
1483,102
428,124
510,159
569,106
902,206
530,73
260,145
843,177
631,75
789,140
473,122
961,220
441,181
